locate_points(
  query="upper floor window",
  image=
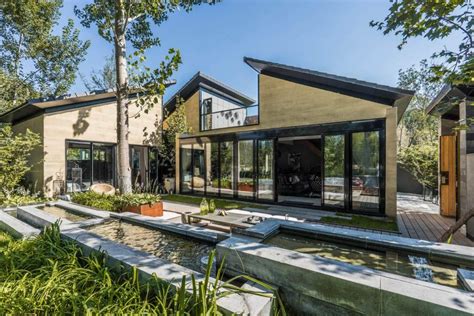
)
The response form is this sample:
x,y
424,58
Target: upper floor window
x,y
218,112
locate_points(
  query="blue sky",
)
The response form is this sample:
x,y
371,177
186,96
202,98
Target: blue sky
x,y
332,36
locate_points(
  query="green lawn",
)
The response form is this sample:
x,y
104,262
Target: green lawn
x,y
363,222
220,203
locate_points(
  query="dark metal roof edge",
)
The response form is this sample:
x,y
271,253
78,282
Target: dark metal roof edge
x,y
445,91
194,83
252,62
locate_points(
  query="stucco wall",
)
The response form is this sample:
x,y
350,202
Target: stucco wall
x,y
34,177
95,123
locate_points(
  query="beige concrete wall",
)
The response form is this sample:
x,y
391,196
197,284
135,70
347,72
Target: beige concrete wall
x,y
34,177
94,123
391,163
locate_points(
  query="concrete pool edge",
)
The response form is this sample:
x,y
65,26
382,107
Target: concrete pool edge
x,y
441,252
352,288
194,232
16,227
120,256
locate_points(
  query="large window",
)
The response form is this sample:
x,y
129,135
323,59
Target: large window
x,y
88,163
212,168
199,168
265,170
334,158
365,171
245,167
186,168
227,169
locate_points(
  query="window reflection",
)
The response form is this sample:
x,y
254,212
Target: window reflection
x,y
334,170
265,169
245,180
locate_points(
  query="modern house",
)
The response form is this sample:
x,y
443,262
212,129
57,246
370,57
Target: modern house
x,y
312,139
79,137
454,107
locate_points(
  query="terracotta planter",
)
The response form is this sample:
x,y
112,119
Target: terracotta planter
x,y
154,210
245,187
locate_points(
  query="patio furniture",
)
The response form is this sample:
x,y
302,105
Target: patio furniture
x,y
232,220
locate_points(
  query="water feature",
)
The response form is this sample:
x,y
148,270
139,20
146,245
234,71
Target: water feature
x,y
409,265
180,250
62,213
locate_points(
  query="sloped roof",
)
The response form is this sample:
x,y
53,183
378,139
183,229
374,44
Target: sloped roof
x,y
447,97
362,89
200,80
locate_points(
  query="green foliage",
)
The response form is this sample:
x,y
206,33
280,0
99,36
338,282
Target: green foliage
x,y
421,160
362,222
114,203
334,156
48,275
15,150
20,196
436,19
103,79
26,34
212,206
95,200
174,124
418,131
204,207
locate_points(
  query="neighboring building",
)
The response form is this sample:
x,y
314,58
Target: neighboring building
x,y
314,140
454,107
79,136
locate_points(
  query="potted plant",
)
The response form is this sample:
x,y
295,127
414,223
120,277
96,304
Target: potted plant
x,y
246,185
204,207
212,206
145,204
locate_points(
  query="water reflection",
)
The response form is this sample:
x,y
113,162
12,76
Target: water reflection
x,y
399,263
62,213
185,252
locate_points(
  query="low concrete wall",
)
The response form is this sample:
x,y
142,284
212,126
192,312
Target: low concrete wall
x,y
17,228
349,289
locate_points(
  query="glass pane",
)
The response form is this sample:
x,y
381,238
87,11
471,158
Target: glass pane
x,y
186,173
334,170
78,164
227,169
199,168
103,164
153,161
139,162
212,169
365,171
265,170
245,180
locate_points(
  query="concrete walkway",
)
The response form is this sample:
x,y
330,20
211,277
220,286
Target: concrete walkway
x,y
420,219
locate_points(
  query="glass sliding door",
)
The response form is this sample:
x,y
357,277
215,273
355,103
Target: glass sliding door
x,y
78,166
103,163
265,172
227,169
212,168
334,157
186,172
365,182
245,167
199,168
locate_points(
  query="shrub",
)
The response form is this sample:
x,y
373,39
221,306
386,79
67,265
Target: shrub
x,y
114,203
15,150
20,196
48,275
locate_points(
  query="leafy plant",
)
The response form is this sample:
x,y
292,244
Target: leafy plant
x,y
15,151
204,207
114,203
20,196
134,199
49,275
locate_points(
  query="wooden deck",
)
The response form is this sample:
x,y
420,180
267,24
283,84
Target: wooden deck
x,y
429,226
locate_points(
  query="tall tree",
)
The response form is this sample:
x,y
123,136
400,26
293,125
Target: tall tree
x,y
104,78
418,131
34,61
436,19
123,21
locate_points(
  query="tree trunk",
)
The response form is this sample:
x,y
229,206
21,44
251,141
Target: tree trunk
x,y
124,171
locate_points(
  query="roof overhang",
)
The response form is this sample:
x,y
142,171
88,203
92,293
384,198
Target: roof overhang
x,y
448,98
200,80
395,97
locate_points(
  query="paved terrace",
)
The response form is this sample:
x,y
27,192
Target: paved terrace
x,y
416,218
